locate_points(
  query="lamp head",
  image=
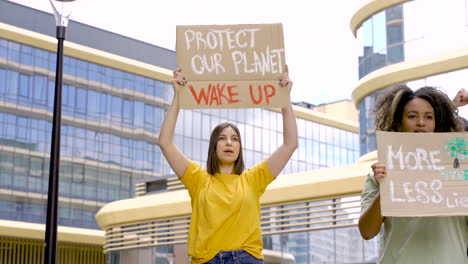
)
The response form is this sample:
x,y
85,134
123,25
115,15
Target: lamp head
x,y
62,11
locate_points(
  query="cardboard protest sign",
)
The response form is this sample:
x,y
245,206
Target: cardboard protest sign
x,y
231,66
427,173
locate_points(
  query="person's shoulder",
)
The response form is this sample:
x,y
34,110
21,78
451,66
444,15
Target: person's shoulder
x,y
193,165
194,176
262,165
370,176
371,182
194,168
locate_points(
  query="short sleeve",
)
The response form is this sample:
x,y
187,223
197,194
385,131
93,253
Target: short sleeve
x,y
259,176
371,189
194,177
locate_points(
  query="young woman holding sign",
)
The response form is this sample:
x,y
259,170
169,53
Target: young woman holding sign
x,y
413,239
225,223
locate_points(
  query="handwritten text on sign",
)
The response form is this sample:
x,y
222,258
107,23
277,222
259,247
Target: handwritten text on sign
x,y
232,66
427,173
210,47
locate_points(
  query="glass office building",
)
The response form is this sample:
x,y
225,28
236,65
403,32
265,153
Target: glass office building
x,y
420,43
111,119
383,44
408,35
110,122
111,116
114,99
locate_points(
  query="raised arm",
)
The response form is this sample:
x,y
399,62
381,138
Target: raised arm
x,y
371,220
173,155
461,98
283,153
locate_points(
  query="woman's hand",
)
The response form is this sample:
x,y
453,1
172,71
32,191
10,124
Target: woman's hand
x,y
178,78
284,80
461,98
380,171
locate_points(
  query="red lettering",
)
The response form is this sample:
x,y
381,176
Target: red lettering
x,y
231,94
271,94
201,95
214,95
221,94
259,93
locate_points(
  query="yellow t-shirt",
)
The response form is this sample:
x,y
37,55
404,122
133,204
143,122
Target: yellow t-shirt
x,y
225,211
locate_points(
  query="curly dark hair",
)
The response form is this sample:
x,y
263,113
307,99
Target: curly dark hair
x,y
390,104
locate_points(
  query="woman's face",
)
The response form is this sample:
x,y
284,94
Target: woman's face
x,y
228,146
418,116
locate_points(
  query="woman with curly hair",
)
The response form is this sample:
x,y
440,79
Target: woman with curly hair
x,y
412,240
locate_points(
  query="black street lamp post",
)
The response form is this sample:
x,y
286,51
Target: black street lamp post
x,y
61,19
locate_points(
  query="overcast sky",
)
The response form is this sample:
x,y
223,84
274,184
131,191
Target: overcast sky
x,y
321,51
